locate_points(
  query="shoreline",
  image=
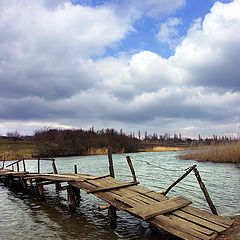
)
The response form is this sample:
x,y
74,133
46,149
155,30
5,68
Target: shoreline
x,y
11,156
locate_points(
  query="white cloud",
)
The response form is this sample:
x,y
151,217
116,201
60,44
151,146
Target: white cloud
x,y
47,73
209,53
43,50
168,32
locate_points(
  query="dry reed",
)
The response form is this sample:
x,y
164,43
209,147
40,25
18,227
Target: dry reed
x,y
227,152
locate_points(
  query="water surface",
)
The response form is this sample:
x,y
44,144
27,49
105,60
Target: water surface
x,y
25,217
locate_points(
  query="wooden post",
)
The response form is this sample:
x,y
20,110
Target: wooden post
x,y
205,192
71,198
75,169
3,163
10,181
24,166
13,167
131,168
112,210
179,179
111,169
24,183
18,166
40,189
58,185
38,165
112,217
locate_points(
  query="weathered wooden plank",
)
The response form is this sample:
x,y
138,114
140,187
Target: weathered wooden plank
x,y
166,224
113,187
222,221
185,226
199,221
163,207
97,177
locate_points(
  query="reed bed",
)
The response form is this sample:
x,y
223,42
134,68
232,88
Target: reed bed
x,y
227,153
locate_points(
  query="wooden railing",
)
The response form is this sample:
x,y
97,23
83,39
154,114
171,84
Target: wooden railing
x,y
17,164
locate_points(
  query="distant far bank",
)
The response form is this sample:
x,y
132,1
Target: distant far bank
x,y
64,143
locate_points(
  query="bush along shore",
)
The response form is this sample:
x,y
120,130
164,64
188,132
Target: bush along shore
x,y
226,152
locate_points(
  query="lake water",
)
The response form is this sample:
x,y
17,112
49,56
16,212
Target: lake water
x,y
25,217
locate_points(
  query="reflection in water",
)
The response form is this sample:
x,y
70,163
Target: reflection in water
x,y
24,217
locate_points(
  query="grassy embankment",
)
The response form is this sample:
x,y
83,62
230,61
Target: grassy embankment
x,y
165,147
225,152
14,150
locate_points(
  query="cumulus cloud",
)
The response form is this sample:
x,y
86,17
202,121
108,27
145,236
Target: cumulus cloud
x,y
43,50
168,32
209,53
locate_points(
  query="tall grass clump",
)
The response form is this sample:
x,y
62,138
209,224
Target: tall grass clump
x,y
227,153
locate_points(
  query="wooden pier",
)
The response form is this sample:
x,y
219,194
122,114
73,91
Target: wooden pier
x,y
174,215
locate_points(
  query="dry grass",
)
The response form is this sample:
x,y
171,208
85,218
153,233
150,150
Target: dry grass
x,y
162,149
15,150
228,153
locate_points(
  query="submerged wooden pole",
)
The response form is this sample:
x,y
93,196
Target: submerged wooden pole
x,y
18,166
58,185
112,216
75,169
3,163
111,169
24,166
111,210
38,165
71,198
131,168
179,179
40,189
205,192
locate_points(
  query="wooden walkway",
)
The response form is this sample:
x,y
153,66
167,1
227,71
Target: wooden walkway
x,y
174,215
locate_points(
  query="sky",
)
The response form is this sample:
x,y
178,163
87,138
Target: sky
x,y
161,66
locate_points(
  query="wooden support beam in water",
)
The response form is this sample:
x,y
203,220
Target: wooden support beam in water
x,y
58,185
179,179
131,168
205,192
75,169
112,216
18,167
38,165
111,169
73,197
24,166
40,189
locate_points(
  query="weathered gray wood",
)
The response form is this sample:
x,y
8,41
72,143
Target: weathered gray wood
x,y
205,192
111,169
24,166
57,185
199,221
159,208
179,179
71,198
38,165
178,229
112,217
131,168
40,189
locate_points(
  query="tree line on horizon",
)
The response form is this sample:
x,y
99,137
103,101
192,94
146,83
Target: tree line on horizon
x,y
73,142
